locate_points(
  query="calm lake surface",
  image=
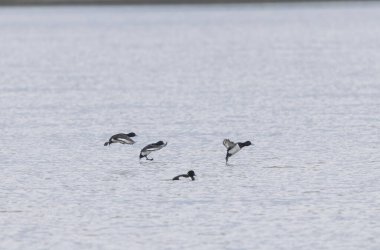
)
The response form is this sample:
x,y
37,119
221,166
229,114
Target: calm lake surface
x,y
301,81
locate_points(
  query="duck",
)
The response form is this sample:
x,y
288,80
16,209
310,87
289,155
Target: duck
x,y
150,148
233,148
189,174
121,138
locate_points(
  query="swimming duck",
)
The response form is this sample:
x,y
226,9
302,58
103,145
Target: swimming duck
x,y
121,138
233,148
189,174
150,148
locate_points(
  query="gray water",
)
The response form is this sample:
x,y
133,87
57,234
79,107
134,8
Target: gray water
x,y
301,81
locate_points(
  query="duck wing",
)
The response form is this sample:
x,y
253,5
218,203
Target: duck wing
x,y
158,147
228,144
153,147
123,137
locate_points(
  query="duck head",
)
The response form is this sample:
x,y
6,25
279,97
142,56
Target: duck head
x,y
131,134
191,173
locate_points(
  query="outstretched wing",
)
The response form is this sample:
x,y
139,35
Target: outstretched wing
x,y
149,147
121,135
124,138
161,146
154,147
228,144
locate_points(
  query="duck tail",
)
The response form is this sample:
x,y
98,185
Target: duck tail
x,y
106,144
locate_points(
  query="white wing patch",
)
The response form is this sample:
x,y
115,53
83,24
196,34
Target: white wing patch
x,y
151,149
228,144
122,140
126,141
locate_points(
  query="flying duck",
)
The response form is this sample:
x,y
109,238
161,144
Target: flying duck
x,y
150,148
121,138
189,174
233,148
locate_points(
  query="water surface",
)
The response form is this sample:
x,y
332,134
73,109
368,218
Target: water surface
x,y
300,81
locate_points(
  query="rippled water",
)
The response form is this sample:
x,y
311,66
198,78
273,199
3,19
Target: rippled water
x,y
300,81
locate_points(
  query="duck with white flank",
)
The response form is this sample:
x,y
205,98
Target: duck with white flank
x,y
189,174
121,138
150,148
233,148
